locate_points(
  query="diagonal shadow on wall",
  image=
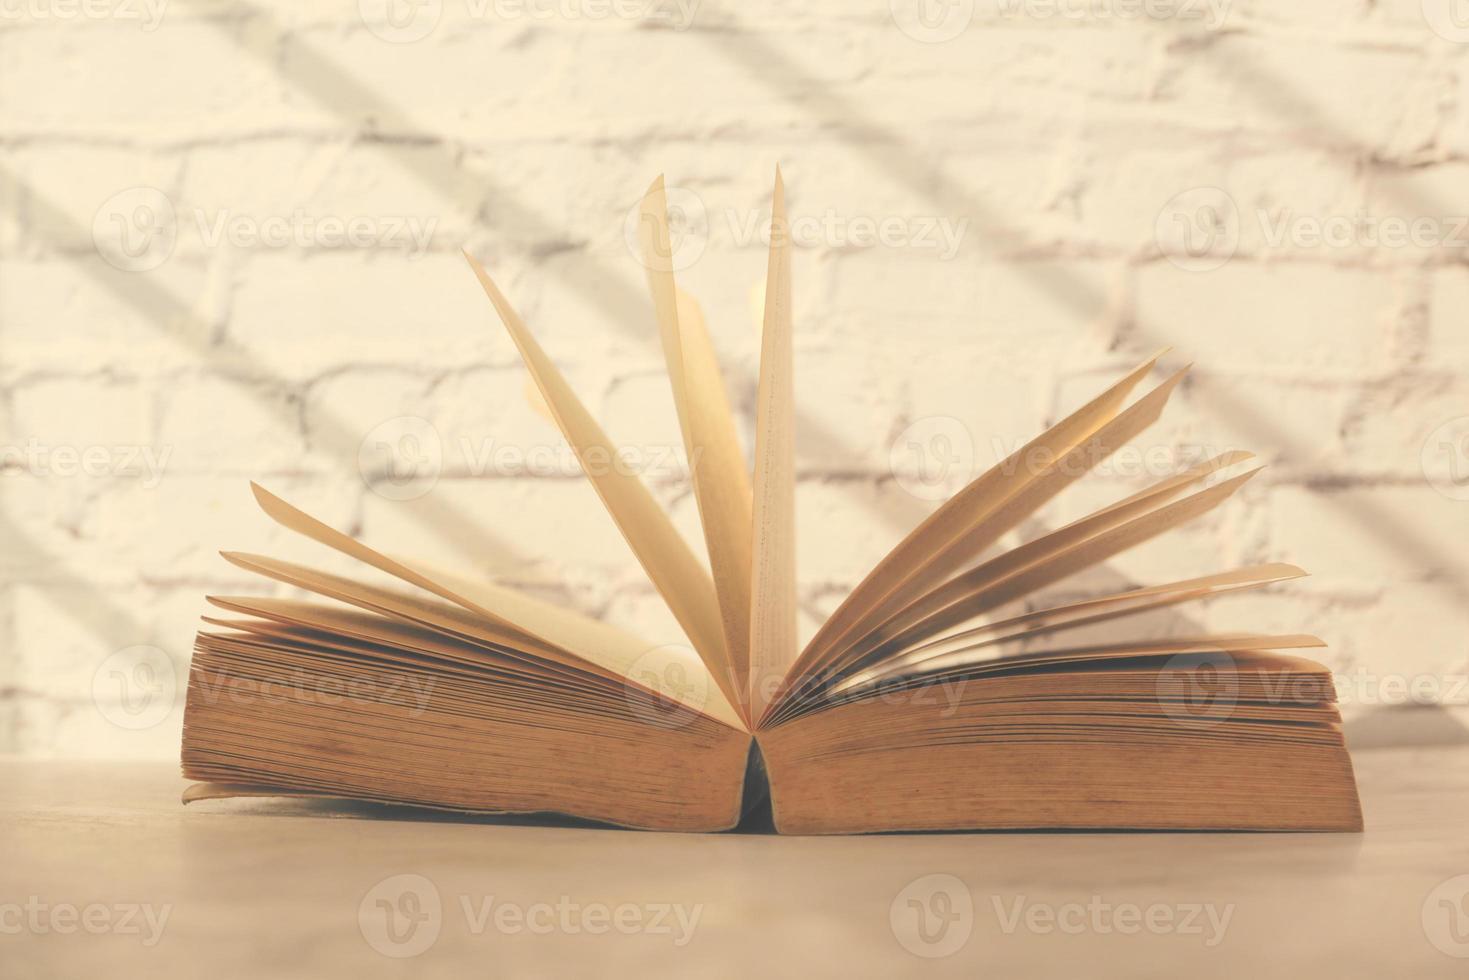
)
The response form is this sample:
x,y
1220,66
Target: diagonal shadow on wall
x,y
849,121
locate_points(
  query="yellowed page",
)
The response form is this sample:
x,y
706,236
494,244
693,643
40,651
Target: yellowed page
x,y
969,587
508,612
1047,559
773,588
959,514
671,661
1086,612
1043,484
359,624
720,479
967,662
684,583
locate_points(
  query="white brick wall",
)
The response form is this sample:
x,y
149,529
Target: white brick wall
x,y
1066,153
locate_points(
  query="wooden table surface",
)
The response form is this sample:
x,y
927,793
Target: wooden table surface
x,y
104,874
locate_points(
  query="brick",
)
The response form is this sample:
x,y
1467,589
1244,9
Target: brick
x,y
1250,317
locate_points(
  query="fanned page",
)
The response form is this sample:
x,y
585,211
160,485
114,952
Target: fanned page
x,y
917,598
773,593
684,583
611,661
957,518
521,620
975,642
720,479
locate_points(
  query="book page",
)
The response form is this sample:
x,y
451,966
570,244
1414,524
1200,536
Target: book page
x,y
969,664
1087,612
1035,564
685,584
773,589
658,663
506,610
961,513
717,468
1047,559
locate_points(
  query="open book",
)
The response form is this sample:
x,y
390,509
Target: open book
x,y
941,694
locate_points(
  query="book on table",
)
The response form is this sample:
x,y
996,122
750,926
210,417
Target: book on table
x,y
944,693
